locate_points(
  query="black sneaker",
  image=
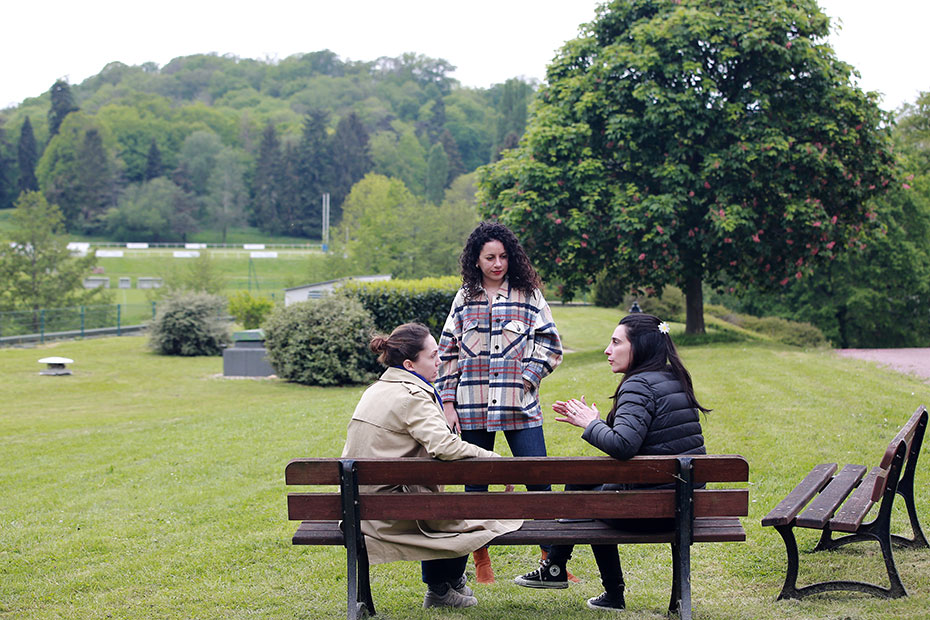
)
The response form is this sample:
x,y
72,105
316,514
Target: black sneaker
x,y
548,575
610,602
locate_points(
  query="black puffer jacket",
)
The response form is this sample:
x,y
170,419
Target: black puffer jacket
x,y
653,417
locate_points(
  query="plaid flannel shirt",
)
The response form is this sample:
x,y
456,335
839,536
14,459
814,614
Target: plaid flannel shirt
x,y
487,355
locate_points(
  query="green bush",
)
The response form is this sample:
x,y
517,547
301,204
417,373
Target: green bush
x,y
394,302
190,324
781,330
607,291
321,342
248,310
669,306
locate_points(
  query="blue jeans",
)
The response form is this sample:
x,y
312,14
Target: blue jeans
x,y
522,442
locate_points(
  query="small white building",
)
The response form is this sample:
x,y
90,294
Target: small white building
x,y
318,289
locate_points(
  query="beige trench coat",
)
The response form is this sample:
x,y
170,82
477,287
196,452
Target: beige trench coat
x,y
400,416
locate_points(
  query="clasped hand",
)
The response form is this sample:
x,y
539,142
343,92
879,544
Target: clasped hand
x,y
576,412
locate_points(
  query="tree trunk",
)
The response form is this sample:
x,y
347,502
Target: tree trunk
x,y
694,306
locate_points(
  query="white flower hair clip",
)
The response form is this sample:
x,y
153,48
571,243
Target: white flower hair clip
x,y
663,327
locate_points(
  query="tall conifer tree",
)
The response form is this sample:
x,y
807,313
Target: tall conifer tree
x,y
28,155
350,157
313,174
94,186
266,183
62,105
154,167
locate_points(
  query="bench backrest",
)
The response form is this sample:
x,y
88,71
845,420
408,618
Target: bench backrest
x,y
635,503
908,440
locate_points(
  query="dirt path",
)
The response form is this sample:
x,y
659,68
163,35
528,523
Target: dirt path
x,y
909,361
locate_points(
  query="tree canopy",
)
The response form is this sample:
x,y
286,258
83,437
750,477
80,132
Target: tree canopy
x,y
36,267
384,115
692,141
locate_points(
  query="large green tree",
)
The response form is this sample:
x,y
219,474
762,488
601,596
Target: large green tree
x,y
877,294
37,269
156,210
694,141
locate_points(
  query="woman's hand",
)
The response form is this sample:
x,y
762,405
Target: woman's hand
x,y
452,417
576,412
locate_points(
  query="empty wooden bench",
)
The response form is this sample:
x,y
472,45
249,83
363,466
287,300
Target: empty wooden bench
x,y
842,501
699,514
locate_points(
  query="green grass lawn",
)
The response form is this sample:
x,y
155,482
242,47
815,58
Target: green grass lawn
x,y
150,487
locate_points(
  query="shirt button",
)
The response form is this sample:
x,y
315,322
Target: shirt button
x,y
497,346
494,402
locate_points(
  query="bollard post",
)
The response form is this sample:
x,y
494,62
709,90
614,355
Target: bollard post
x,y
153,310
118,316
82,321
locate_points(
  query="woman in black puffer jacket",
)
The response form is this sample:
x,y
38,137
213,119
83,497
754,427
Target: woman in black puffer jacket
x,y
654,412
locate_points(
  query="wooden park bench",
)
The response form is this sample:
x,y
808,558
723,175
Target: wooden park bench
x,y
699,514
841,503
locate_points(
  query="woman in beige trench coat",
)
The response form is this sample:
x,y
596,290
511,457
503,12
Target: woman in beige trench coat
x,y
401,416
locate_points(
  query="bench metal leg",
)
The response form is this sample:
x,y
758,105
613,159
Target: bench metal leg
x,y
906,491
680,602
791,590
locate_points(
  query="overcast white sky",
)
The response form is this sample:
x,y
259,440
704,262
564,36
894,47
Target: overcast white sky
x,y
488,41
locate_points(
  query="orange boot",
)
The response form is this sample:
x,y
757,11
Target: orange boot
x,y
568,575
483,571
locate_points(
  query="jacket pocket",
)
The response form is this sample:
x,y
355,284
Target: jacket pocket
x,y
514,336
473,341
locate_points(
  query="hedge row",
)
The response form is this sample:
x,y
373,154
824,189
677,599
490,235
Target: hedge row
x,y
782,330
394,302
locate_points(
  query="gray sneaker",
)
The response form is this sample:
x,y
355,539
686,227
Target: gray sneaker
x,y
452,598
461,586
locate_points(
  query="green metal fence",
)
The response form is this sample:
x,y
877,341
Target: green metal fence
x,y
74,321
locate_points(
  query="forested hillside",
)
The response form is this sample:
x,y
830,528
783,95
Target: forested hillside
x,y
155,153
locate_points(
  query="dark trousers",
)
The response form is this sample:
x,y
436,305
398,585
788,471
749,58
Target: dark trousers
x,y
446,570
607,557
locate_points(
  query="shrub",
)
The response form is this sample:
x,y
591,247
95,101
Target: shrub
x,y
248,310
778,329
394,302
321,342
190,324
607,291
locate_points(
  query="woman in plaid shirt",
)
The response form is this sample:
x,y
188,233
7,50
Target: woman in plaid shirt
x,y
497,344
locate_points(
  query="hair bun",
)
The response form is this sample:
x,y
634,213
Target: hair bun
x,y
378,344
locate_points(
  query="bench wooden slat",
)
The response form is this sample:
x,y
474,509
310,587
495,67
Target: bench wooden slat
x,y
788,508
315,506
849,517
549,470
824,505
654,504
312,471
552,532
318,533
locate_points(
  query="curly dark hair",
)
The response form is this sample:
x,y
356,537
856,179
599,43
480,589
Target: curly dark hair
x,y
520,271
